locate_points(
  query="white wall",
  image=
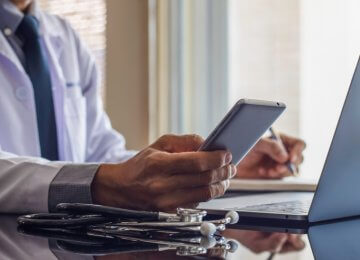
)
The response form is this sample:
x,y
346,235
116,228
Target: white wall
x,y
301,52
264,54
330,47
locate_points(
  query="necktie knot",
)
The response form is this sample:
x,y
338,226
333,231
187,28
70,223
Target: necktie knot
x,y
28,28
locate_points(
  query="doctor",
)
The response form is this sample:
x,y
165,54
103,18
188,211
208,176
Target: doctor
x,y
57,143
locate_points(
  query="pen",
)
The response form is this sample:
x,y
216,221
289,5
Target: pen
x,y
277,250
271,256
289,164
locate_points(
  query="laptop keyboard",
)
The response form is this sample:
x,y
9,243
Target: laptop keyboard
x,y
296,207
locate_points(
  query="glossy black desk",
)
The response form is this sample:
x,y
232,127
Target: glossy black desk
x,y
336,240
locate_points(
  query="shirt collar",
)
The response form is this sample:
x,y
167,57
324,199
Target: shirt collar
x,y
11,16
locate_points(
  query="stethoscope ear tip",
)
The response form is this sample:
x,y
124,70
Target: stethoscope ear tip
x,y
208,242
234,245
233,216
207,229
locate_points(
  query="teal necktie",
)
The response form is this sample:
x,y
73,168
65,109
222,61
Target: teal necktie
x,y
36,66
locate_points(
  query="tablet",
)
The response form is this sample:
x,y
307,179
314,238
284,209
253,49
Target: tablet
x,y
243,126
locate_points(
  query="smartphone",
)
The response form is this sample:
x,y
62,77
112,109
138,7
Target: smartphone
x,y
243,126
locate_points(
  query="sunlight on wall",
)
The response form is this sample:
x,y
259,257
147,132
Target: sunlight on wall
x,y
264,55
302,53
330,43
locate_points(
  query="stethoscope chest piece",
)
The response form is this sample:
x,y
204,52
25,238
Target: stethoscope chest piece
x,y
191,215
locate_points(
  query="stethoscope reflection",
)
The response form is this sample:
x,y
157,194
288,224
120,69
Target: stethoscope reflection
x,y
256,241
92,243
16,246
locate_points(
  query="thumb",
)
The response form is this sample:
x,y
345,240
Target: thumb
x,y
274,149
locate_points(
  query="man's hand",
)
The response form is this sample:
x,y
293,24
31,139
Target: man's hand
x,y
168,174
259,242
267,160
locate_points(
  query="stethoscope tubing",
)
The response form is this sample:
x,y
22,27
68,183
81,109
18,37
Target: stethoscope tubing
x,y
107,249
61,220
80,208
78,214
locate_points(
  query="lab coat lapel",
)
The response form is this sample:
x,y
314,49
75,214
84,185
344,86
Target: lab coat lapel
x,y
53,43
8,53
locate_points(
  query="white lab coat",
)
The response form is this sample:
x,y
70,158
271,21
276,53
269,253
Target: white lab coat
x,y
84,130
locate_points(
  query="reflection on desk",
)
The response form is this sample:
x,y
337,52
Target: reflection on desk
x,y
15,245
339,240
336,240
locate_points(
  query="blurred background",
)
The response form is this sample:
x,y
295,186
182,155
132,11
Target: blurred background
x,y
177,66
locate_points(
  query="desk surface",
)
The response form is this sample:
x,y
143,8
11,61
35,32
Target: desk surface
x,y
338,240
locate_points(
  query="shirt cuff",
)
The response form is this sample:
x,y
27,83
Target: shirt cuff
x,y
72,185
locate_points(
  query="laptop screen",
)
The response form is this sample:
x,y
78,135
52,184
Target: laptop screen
x,y
338,191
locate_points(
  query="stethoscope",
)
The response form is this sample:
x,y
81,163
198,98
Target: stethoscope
x,y
185,231
117,219
99,243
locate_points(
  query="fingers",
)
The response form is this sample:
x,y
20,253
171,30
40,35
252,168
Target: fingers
x,y
295,146
196,180
178,143
181,155
277,172
284,170
296,156
273,149
190,206
191,196
278,168
205,193
291,141
272,243
192,162
294,243
276,241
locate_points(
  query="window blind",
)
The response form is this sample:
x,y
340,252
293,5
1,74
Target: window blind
x,y
189,92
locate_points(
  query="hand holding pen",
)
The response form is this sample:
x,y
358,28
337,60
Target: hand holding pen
x,y
269,158
291,163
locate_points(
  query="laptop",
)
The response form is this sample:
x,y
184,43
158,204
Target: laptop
x,y
338,191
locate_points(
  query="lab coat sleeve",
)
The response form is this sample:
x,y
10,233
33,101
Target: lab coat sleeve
x,y
31,184
104,144
24,183
72,185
